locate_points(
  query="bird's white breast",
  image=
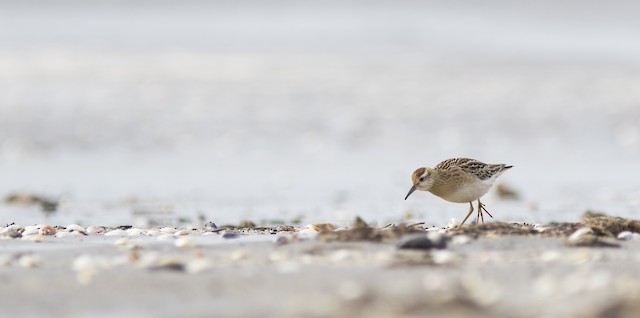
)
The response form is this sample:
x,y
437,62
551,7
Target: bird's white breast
x,y
468,192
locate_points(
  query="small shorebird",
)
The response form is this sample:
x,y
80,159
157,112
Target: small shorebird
x,y
459,180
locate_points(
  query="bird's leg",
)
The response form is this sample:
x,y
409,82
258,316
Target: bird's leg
x,y
470,211
482,208
479,216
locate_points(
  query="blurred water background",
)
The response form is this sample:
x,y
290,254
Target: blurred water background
x,y
159,112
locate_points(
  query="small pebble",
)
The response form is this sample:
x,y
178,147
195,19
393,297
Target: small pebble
x,y
122,242
34,237
230,234
135,232
197,265
29,261
74,227
168,230
624,235
30,230
70,233
580,233
183,232
46,230
95,229
421,241
306,234
238,255
10,233
166,237
117,232
184,242
210,226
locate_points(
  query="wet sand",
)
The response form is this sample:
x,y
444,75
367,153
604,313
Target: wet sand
x,y
482,272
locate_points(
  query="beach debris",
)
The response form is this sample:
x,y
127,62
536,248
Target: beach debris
x,y
210,227
95,229
422,241
168,230
10,233
47,204
623,236
361,231
29,261
182,232
197,265
184,242
135,232
46,230
319,227
604,225
229,234
585,237
494,229
74,227
30,230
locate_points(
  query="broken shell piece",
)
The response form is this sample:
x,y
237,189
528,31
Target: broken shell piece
x,y
421,241
95,229
30,230
168,230
624,235
184,242
182,232
10,233
46,230
135,232
74,227
319,227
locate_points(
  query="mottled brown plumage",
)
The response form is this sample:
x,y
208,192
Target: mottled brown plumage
x,y
458,180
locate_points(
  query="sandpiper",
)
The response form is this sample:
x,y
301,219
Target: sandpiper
x,y
459,180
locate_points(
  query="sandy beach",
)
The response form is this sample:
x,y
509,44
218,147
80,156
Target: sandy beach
x,y
128,128
492,270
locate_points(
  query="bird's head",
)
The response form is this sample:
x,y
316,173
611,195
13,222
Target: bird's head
x,y
421,179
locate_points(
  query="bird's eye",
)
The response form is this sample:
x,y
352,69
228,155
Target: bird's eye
x,y
421,179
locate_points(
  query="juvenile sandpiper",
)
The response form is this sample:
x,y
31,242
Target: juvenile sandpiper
x,y
459,180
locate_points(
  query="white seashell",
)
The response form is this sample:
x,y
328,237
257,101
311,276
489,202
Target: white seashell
x,y
238,255
624,235
14,227
117,232
30,230
153,232
29,261
95,229
135,232
74,227
168,230
197,265
580,233
34,237
166,237
67,234
46,229
182,232
184,242
122,242
306,234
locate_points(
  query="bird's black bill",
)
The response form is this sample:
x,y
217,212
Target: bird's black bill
x,y
410,191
